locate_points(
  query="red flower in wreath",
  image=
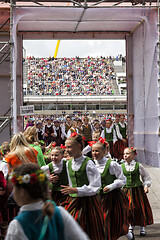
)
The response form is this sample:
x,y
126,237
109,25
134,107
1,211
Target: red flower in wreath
x,y
34,178
14,180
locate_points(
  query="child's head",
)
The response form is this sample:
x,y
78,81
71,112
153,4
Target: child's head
x,y
30,184
74,123
99,150
85,120
74,145
122,118
79,123
129,154
95,136
108,123
57,154
96,125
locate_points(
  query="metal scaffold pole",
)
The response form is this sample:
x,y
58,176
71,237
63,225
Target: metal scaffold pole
x,y
11,63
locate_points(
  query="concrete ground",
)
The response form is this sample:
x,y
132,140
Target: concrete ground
x,y
153,231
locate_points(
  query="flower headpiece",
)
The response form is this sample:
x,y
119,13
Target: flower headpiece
x,y
103,141
73,134
36,177
62,146
133,151
91,143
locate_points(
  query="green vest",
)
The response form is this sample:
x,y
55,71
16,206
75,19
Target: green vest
x,y
78,178
123,130
108,136
133,178
62,180
106,177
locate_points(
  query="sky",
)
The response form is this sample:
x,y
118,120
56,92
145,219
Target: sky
x,y
72,48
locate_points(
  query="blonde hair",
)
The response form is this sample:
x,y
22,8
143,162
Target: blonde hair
x,y
59,149
19,146
133,150
31,134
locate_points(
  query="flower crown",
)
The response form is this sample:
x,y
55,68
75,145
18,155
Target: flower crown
x,y
36,177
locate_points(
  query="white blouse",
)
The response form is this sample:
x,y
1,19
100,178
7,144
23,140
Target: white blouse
x,y
72,229
93,176
119,135
114,169
56,167
142,171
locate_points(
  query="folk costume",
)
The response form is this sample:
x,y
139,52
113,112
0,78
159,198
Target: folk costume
x,y
59,170
61,226
83,175
140,209
121,132
110,135
115,203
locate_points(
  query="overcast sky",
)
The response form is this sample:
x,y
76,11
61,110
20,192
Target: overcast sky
x,y
72,48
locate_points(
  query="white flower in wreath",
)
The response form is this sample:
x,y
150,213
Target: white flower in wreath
x,y
11,176
26,178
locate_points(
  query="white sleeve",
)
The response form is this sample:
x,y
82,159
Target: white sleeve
x,y
145,176
94,179
102,134
15,231
114,136
45,169
118,133
54,131
4,169
86,150
72,230
116,169
68,133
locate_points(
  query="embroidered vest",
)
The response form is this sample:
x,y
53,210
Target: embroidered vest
x,y
62,180
106,177
133,178
122,130
78,178
108,136
32,221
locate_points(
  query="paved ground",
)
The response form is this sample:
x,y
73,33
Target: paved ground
x,y
153,231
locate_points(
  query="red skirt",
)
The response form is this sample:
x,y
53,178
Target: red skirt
x,y
116,211
60,199
118,149
140,209
88,213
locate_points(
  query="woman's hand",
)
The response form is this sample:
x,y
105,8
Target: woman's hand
x,y
67,190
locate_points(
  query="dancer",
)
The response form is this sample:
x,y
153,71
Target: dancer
x,y
36,219
84,184
58,175
114,201
140,209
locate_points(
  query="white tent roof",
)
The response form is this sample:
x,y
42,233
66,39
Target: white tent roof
x,y
69,19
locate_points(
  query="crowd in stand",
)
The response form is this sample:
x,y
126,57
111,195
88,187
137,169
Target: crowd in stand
x,y
69,76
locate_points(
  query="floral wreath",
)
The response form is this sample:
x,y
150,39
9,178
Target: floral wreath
x,y
36,177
